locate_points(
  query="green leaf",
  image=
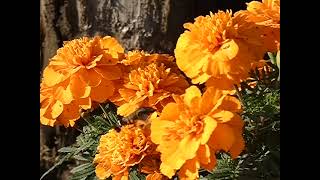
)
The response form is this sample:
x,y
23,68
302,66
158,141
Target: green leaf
x,y
135,175
65,158
66,149
80,158
82,171
82,167
272,58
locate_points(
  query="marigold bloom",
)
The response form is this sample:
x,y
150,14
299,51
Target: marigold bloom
x,y
118,151
83,70
220,47
266,15
58,108
266,12
192,129
150,81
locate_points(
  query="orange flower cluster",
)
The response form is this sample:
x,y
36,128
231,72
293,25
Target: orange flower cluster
x,y
190,125
118,151
149,80
220,48
82,72
193,128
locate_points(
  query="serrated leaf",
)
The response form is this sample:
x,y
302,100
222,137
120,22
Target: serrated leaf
x,y
84,146
65,158
82,167
80,158
66,149
82,175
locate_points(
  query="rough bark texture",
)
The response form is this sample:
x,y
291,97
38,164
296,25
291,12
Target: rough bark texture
x,y
151,25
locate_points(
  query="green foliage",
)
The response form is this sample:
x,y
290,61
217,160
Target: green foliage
x,y
134,174
226,168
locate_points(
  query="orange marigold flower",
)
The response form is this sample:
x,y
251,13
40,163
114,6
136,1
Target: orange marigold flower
x,y
118,151
266,15
192,129
150,81
82,70
58,108
217,46
266,12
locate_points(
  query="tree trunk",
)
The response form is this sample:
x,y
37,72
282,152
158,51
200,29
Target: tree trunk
x,y
149,25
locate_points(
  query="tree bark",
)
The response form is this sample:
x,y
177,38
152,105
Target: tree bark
x,y
149,25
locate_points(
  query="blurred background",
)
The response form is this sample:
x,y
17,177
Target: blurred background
x,y
149,25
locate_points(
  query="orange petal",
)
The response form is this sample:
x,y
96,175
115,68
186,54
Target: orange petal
x,y
222,138
44,106
238,146
47,121
231,104
209,99
85,103
221,82
209,127
191,93
170,112
51,77
189,170
212,164
158,129
201,78
157,97
127,109
78,87
90,76
203,154
113,46
109,72
127,94
101,172
102,92
57,109
63,95
70,113
222,115
186,149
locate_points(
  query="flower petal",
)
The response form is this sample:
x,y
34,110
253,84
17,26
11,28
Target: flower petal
x,y
212,164
203,154
78,87
185,150
170,112
90,76
158,129
222,138
189,170
222,115
52,77
209,127
85,103
109,72
191,93
102,92
127,94
71,112
57,109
